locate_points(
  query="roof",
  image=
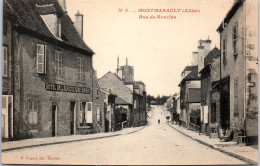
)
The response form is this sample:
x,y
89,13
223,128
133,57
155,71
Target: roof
x,y
194,95
188,68
193,75
140,82
112,81
121,101
213,54
230,14
27,17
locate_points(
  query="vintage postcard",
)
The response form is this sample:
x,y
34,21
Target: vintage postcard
x,y
129,82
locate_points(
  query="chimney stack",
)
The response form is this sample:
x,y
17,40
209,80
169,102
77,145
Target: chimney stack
x,y
203,50
78,23
195,59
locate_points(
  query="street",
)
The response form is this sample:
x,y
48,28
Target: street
x,y
155,144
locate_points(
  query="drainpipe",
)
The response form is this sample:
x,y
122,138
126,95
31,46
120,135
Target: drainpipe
x,y
244,52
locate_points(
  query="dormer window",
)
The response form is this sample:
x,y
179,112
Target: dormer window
x,y
51,18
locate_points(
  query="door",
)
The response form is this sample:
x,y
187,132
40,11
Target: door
x,y
54,120
225,102
72,112
7,116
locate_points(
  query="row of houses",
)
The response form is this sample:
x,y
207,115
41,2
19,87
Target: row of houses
x,y
218,92
49,86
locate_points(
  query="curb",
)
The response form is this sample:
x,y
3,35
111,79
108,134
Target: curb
x,y
249,161
70,141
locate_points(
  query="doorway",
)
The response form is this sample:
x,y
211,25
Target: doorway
x,y
72,112
225,102
54,120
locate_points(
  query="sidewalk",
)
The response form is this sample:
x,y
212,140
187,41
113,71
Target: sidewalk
x,y
245,153
35,142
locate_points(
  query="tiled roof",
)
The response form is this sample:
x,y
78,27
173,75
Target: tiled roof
x,y
193,75
213,54
194,95
113,82
27,16
121,101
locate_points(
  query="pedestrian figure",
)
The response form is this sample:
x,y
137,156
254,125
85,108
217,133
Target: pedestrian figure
x,y
158,121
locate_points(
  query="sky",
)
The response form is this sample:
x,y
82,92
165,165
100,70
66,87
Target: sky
x,y
159,49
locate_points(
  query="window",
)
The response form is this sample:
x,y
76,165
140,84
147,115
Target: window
x,y
80,68
5,27
224,51
41,59
58,64
236,111
89,112
5,62
234,37
33,108
82,114
98,114
213,112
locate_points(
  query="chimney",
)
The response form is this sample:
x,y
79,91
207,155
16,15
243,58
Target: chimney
x,y
63,5
203,50
78,23
126,61
195,59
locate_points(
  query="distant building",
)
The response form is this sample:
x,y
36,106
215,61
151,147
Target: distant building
x,y
126,72
124,99
239,69
190,79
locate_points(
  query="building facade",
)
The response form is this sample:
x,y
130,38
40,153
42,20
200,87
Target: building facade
x,y
239,69
206,86
52,71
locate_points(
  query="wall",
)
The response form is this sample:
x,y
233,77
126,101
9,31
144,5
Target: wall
x,y
237,65
32,86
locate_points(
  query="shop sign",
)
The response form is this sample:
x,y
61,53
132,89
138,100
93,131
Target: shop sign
x,y
66,88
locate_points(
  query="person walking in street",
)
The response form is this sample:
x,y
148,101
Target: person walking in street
x,y
158,121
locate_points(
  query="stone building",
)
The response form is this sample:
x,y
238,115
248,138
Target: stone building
x,y
123,101
239,69
126,72
48,72
210,124
190,79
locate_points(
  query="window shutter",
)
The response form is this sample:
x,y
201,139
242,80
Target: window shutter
x,y
62,66
89,112
40,58
78,67
4,68
56,62
45,57
98,114
86,110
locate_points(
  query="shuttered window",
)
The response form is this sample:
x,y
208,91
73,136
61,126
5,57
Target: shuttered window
x,y
5,62
41,59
